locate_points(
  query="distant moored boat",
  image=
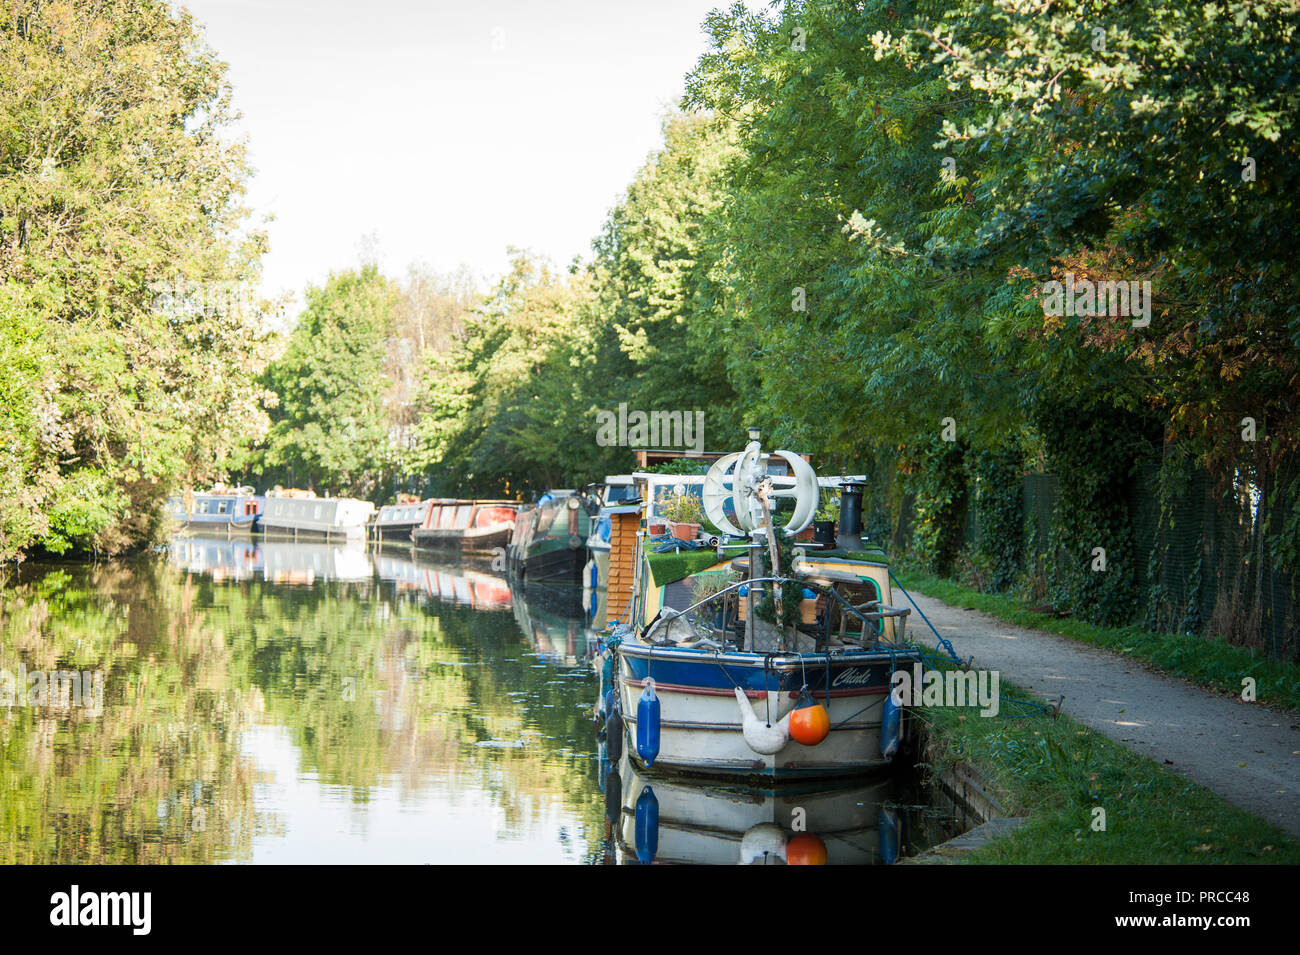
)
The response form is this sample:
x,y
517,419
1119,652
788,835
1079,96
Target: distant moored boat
x,y
315,516
220,511
476,527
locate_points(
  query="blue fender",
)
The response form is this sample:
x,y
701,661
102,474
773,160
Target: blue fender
x,y
647,825
647,724
891,725
888,825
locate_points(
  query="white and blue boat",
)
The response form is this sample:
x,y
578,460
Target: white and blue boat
x,y
700,683
220,511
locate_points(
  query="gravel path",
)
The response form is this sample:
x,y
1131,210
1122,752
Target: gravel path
x,y
1196,733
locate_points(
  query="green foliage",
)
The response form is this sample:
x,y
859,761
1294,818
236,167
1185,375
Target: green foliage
x,y
1056,771
828,506
765,609
940,482
682,509
678,466
329,427
126,365
1092,449
998,505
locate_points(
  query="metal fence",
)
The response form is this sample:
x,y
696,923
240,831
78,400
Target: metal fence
x,y
1203,565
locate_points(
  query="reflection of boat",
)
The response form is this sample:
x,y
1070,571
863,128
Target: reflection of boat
x,y
549,540
219,511
667,820
554,630
479,527
290,562
218,558
303,562
728,691
316,516
469,586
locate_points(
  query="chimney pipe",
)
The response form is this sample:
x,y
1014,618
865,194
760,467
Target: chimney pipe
x,y
850,535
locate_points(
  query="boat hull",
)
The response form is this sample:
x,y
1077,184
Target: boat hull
x,y
701,729
474,540
220,528
395,532
316,517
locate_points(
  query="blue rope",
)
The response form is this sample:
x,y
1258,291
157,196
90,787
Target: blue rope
x,y
1032,707
945,644
666,543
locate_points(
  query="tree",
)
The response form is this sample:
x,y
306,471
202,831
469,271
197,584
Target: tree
x,y
129,342
329,428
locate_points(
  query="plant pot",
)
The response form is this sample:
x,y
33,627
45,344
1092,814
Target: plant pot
x,y
684,532
805,535
656,528
824,533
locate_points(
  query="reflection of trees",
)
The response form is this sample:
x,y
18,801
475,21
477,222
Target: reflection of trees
x,y
440,694
156,777
376,687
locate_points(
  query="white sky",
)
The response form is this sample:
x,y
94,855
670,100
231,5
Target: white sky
x,y
398,118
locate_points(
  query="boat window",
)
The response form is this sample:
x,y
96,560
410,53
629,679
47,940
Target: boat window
x,y
221,506
447,518
316,513
203,507
463,515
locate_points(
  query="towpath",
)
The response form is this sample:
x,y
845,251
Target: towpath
x,y
1201,735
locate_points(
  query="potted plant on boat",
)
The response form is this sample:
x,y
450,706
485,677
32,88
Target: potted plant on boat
x,y
824,520
684,515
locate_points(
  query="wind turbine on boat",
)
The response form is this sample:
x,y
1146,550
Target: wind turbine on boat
x,y
753,493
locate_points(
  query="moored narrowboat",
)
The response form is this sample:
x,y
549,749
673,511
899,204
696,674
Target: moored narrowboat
x,y
549,542
471,527
219,511
311,516
733,666
396,522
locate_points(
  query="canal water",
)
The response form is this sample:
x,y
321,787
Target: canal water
x,y
251,701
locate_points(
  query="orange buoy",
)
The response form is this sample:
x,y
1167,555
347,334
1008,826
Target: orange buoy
x,y
805,849
809,721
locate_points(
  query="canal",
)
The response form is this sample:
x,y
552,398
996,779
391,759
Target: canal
x,y
250,701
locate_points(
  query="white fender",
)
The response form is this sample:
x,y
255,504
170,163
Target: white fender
x,y
759,736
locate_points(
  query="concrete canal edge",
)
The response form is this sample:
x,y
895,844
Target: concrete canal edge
x,y
966,795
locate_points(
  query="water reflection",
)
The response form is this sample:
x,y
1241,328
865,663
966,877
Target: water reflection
x,y
281,702
664,819
312,702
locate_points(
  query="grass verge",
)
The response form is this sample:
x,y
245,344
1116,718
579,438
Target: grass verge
x,y
1212,664
1058,772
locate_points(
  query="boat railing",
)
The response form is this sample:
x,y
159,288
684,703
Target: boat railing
x,y
861,611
